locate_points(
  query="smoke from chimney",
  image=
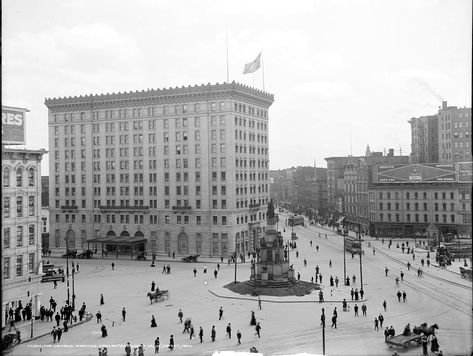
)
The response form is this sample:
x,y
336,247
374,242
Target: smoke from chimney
x,y
425,85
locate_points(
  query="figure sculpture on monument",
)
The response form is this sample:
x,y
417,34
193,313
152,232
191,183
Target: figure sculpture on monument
x,y
270,214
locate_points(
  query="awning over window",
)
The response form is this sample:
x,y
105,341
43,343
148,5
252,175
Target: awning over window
x,y
340,219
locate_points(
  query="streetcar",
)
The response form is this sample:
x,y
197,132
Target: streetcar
x,y
296,220
353,245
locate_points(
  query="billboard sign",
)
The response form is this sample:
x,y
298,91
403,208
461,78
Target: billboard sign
x,y
13,125
465,171
416,173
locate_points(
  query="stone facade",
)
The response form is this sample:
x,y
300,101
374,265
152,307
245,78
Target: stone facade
x,y
186,168
21,228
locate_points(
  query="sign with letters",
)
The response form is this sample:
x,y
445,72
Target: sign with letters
x,y
13,125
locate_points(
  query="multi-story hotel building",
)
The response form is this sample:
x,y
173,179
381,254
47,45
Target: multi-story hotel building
x,y
21,228
182,170
417,198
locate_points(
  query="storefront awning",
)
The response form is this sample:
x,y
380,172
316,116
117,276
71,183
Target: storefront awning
x,y
118,241
340,219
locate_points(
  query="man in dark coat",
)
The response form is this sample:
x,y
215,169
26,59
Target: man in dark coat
x,y
59,334
201,334
220,313
258,329
213,333
171,343
399,294
57,318
239,337
229,331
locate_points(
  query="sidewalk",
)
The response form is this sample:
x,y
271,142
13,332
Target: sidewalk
x,y
40,328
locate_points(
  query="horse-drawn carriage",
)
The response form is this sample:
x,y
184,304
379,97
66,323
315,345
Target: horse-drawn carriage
x,y
466,273
191,258
158,295
408,337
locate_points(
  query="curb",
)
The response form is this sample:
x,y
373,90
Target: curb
x,y
86,319
286,301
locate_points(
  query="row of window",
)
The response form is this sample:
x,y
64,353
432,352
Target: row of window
x,y
19,207
19,265
19,177
7,236
416,195
416,206
416,218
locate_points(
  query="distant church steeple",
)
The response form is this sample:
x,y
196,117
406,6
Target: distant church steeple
x,y
368,151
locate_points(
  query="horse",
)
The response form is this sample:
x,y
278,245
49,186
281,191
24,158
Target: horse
x,y
422,328
153,295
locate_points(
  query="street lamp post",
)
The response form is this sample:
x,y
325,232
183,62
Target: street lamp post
x,y
361,252
322,319
344,261
73,293
32,308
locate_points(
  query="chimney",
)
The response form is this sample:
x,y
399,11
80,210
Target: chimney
x,y
444,104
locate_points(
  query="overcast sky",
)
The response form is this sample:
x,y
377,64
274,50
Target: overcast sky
x,y
344,74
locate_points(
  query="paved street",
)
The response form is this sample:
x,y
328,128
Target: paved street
x,y
289,324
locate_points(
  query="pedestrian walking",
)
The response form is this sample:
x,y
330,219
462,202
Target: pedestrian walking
x,y
59,334
404,295
381,319
334,321
205,269
215,273
128,349
352,292
101,300
180,315
213,333
402,276
317,248
330,263
113,266
362,293
156,345
259,303
363,309
384,305
229,331
153,322
191,332
218,266
336,282
104,331
424,341
239,337
376,322
195,272
220,313
153,285
355,308
99,317
399,294
123,313
171,343
386,271
58,319
258,329
320,278
317,269
201,334
54,334
408,266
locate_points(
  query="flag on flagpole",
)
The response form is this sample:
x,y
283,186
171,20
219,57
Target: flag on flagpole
x,y
252,66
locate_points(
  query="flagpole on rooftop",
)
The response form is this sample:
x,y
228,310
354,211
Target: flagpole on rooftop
x,y
228,76
262,67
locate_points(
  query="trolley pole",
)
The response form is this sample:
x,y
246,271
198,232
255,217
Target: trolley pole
x,y
235,265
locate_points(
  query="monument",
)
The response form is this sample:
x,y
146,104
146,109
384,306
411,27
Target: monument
x,y
272,268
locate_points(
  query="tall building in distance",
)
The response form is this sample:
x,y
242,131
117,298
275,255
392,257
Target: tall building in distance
x,y
182,170
454,128
444,137
424,139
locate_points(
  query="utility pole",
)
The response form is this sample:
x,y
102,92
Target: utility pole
x,y
322,319
361,252
344,261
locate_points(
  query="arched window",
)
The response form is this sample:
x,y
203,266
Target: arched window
x,y
19,177
452,219
6,177
31,177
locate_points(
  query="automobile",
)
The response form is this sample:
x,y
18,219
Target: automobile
x,y
85,254
70,253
